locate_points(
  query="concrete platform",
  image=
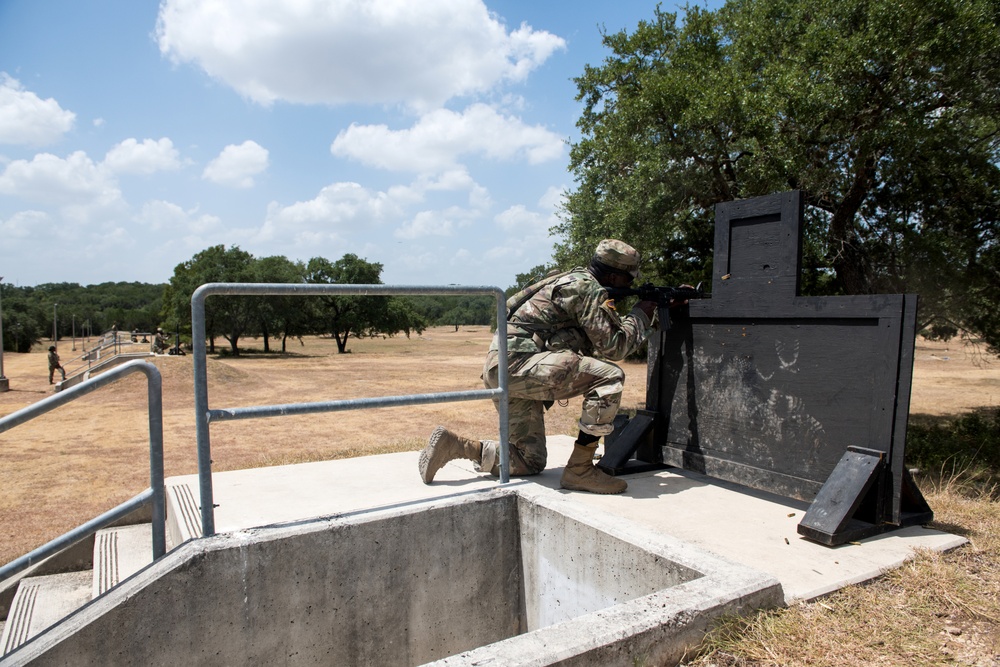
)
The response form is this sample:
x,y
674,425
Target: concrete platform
x,y
509,576
744,526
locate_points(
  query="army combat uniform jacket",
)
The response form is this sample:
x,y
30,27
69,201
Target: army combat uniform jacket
x,y
560,331
571,311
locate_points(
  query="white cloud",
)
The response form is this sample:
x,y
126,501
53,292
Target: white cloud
x,y
426,223
159,215
237,165
26,224
48,179
553,199
378,51
440,137
420,263
343,211
518,217
26,119
528,242
453,180
340,205
148,157
444,222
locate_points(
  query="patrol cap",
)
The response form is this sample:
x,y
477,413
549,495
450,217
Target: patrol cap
x,y
618,255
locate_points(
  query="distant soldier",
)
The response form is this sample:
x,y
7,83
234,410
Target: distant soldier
x,y
160,341
54,364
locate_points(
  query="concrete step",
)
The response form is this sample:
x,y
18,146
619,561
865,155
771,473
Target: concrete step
x,y
183,513
41,602
119,553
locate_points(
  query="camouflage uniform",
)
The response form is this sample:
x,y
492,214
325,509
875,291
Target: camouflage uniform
x,y
556,330
160,342
54,364
553,339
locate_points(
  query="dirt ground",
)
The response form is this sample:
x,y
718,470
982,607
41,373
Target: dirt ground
x,y
75,462
953,378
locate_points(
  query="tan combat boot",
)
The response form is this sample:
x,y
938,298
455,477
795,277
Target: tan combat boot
x,y
581,475
444,446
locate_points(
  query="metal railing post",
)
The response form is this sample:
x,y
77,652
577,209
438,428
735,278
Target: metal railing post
x,y
154,393
503,402
204,416
203,439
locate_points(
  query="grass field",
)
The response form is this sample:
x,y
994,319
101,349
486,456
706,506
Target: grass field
x,y
89,455
74,463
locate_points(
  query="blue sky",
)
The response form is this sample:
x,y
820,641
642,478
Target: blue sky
x,y
427,135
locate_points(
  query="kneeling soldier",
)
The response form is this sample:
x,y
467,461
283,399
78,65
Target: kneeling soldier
x,y
555,330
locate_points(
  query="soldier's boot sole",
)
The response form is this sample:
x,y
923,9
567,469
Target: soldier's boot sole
x,y
444,446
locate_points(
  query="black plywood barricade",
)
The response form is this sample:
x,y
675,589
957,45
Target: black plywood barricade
x,y
806,397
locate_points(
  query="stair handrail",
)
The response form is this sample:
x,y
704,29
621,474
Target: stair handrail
x,y
108,346
203,415
155,494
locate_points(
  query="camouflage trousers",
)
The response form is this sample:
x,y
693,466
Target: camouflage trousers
x,y
52,371
536,379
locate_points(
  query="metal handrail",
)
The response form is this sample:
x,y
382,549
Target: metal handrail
x,y
203,415
108,346
86,360
155,495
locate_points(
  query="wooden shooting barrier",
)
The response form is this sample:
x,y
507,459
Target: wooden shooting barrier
x,y
806,397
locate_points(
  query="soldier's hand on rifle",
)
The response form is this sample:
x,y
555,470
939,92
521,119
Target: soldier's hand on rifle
x,y
681,302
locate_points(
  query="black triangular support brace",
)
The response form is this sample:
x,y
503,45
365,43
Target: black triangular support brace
x,y
849,502
622,445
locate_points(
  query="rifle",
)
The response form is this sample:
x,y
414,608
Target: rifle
x,y
662,296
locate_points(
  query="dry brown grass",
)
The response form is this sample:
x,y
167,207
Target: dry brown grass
x,y
938,609
71,464
66,467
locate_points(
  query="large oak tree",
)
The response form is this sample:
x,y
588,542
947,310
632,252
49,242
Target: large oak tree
x,y
883,112
359,316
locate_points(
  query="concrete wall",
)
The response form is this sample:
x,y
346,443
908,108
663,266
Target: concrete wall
x,y
413,585
398,590
654,629
572,568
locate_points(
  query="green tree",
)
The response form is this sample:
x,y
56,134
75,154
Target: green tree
x,y
883,112
25,320
227,316
346,316
280,316
454,310
130,305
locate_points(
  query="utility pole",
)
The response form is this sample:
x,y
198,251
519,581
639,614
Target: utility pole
x,y
4,382
74,332
55,335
